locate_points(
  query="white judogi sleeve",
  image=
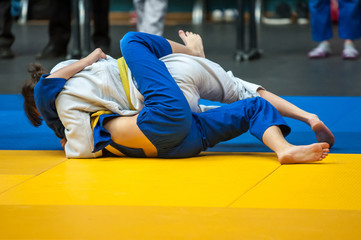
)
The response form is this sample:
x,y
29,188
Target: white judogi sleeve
x,y
78,132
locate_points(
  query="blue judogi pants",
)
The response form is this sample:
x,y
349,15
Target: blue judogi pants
x,y
349,26
167,121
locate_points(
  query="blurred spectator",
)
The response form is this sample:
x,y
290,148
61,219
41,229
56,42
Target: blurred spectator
x,y
349,27
150,15
6,37
60,28
282,15
302,12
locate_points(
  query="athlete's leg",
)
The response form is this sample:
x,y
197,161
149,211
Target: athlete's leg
x,y
211,82
166,118
232,120
200,78
288,153
227,122
264,122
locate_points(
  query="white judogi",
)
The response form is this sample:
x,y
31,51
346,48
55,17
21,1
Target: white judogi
x,y
98,87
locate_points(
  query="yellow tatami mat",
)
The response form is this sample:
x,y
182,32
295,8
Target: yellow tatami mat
x,y
332,184
18,166
43,195
143,223
214,180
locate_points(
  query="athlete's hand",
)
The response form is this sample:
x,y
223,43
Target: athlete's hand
x,y
70,70
63,142
95,56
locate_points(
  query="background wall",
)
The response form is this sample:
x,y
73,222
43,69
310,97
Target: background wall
x,y
38,9
186,5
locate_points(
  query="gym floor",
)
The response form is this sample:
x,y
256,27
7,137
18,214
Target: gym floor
x,y
237,190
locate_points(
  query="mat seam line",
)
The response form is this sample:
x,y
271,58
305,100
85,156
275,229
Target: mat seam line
x,y
28,179
255,185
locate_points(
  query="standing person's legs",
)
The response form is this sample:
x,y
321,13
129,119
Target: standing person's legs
x,y
349,19
321,27
321,24
139,9
59,30
154,14
6,37
100,36
166,118
349,26
59,22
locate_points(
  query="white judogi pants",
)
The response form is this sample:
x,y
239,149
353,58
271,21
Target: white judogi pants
x,y
150,15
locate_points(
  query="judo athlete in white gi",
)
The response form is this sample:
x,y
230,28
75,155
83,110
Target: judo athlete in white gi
x,y
170,130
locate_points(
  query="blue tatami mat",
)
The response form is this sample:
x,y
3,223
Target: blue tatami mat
x,y
17,132
341,114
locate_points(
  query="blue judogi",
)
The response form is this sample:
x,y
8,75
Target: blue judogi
x,y
167,120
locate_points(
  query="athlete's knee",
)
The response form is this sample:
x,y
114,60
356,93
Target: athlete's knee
x,y
179,120
184,121
258,101
164,128
255,102
257,105
128,38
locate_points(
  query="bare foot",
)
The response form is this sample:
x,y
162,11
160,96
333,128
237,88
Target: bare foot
x,y
323,134
304,154
193,42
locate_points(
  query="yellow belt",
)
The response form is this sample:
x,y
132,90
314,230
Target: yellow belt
x,y
123,72
94,118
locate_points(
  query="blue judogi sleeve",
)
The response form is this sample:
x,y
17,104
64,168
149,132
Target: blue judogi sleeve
x,y
45,93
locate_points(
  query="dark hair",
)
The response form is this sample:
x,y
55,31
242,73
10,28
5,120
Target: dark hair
x,y
35,70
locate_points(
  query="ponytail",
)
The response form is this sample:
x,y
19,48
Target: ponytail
x,y
35,71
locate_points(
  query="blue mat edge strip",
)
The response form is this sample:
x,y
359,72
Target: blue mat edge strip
x,y
19,134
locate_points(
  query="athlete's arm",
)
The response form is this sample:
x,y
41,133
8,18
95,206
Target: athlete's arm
x,y
70,70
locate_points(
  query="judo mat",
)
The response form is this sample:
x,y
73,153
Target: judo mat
x,y
236,190
340,114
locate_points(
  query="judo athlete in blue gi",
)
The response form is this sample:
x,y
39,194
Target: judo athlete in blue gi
x,y
166,127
